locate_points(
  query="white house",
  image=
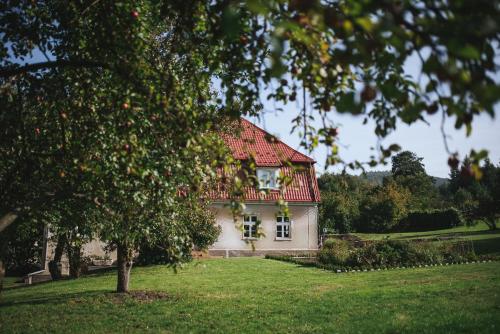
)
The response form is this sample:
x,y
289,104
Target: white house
x,y
296,233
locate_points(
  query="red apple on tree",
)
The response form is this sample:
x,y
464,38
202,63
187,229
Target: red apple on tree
x,y
333,132
368,94
453,161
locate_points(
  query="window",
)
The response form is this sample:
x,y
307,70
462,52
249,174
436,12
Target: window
x,y
268,178
249,226
283,227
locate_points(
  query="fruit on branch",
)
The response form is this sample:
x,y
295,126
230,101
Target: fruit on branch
x,y
432,108
368,94
453,161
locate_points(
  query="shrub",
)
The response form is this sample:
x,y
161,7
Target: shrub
x,y
430,220
334,251
337,211
21,247
394,253
458,251
383,208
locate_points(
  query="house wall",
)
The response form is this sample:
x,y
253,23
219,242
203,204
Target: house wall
x,y
92,248
304,231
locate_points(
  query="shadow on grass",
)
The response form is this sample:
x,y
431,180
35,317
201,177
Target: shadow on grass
x,y
93,273
56,298
487,246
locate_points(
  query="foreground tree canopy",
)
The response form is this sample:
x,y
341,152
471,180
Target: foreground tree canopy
x,y
123,110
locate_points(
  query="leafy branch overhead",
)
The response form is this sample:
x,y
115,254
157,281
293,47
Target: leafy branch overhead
x,y
126,102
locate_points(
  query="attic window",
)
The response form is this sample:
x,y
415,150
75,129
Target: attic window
x,y
268,178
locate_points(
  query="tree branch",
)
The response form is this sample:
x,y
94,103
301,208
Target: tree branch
x,y
7,219
9,71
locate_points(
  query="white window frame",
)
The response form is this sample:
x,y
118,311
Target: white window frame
x,y
283,223
250,220
271,182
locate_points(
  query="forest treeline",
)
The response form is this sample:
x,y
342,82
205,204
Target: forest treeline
x,y
408,199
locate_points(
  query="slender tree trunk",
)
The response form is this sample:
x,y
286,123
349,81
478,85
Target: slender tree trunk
x,y
2,274
55,264
124,261
7,219
74,258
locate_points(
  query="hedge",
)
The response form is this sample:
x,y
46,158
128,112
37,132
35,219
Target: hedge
x,y
391,253
429,220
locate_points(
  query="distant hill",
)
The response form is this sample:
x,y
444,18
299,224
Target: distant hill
x,y
378,176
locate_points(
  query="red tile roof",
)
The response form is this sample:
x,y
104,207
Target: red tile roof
x,y
268,151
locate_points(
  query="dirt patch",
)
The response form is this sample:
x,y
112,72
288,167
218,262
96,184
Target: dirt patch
x,y
139,296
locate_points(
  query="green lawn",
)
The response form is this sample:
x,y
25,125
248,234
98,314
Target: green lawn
x,y
484,240
254,295
10,282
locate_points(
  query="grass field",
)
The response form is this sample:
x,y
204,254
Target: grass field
x,y
253,295
484,240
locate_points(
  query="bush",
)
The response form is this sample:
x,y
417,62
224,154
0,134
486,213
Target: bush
x,y
334,251
337,211
429,220
383,208
166,248
21,246
393,253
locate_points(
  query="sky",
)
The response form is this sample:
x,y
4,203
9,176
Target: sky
x,y
356,139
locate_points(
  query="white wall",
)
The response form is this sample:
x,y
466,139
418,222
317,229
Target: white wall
x,y
304,228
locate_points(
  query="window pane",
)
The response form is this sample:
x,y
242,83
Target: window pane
x,y
279,230
246,218
254,219
254,231
286,232
279,219
246,231
287,219
267,178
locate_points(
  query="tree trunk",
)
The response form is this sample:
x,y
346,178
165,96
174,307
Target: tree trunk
x,y
124,260
7,219
74,258
55,264
2,274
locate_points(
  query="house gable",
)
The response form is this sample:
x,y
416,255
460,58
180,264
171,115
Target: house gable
x,y
253,143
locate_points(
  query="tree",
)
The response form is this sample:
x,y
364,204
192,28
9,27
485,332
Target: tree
x,y
383,207
488,207
113,115
477,199
409,172
341,196
73,223
21,246
407,163
202,232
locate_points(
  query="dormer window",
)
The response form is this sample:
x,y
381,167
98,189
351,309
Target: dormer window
x,y
268,178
